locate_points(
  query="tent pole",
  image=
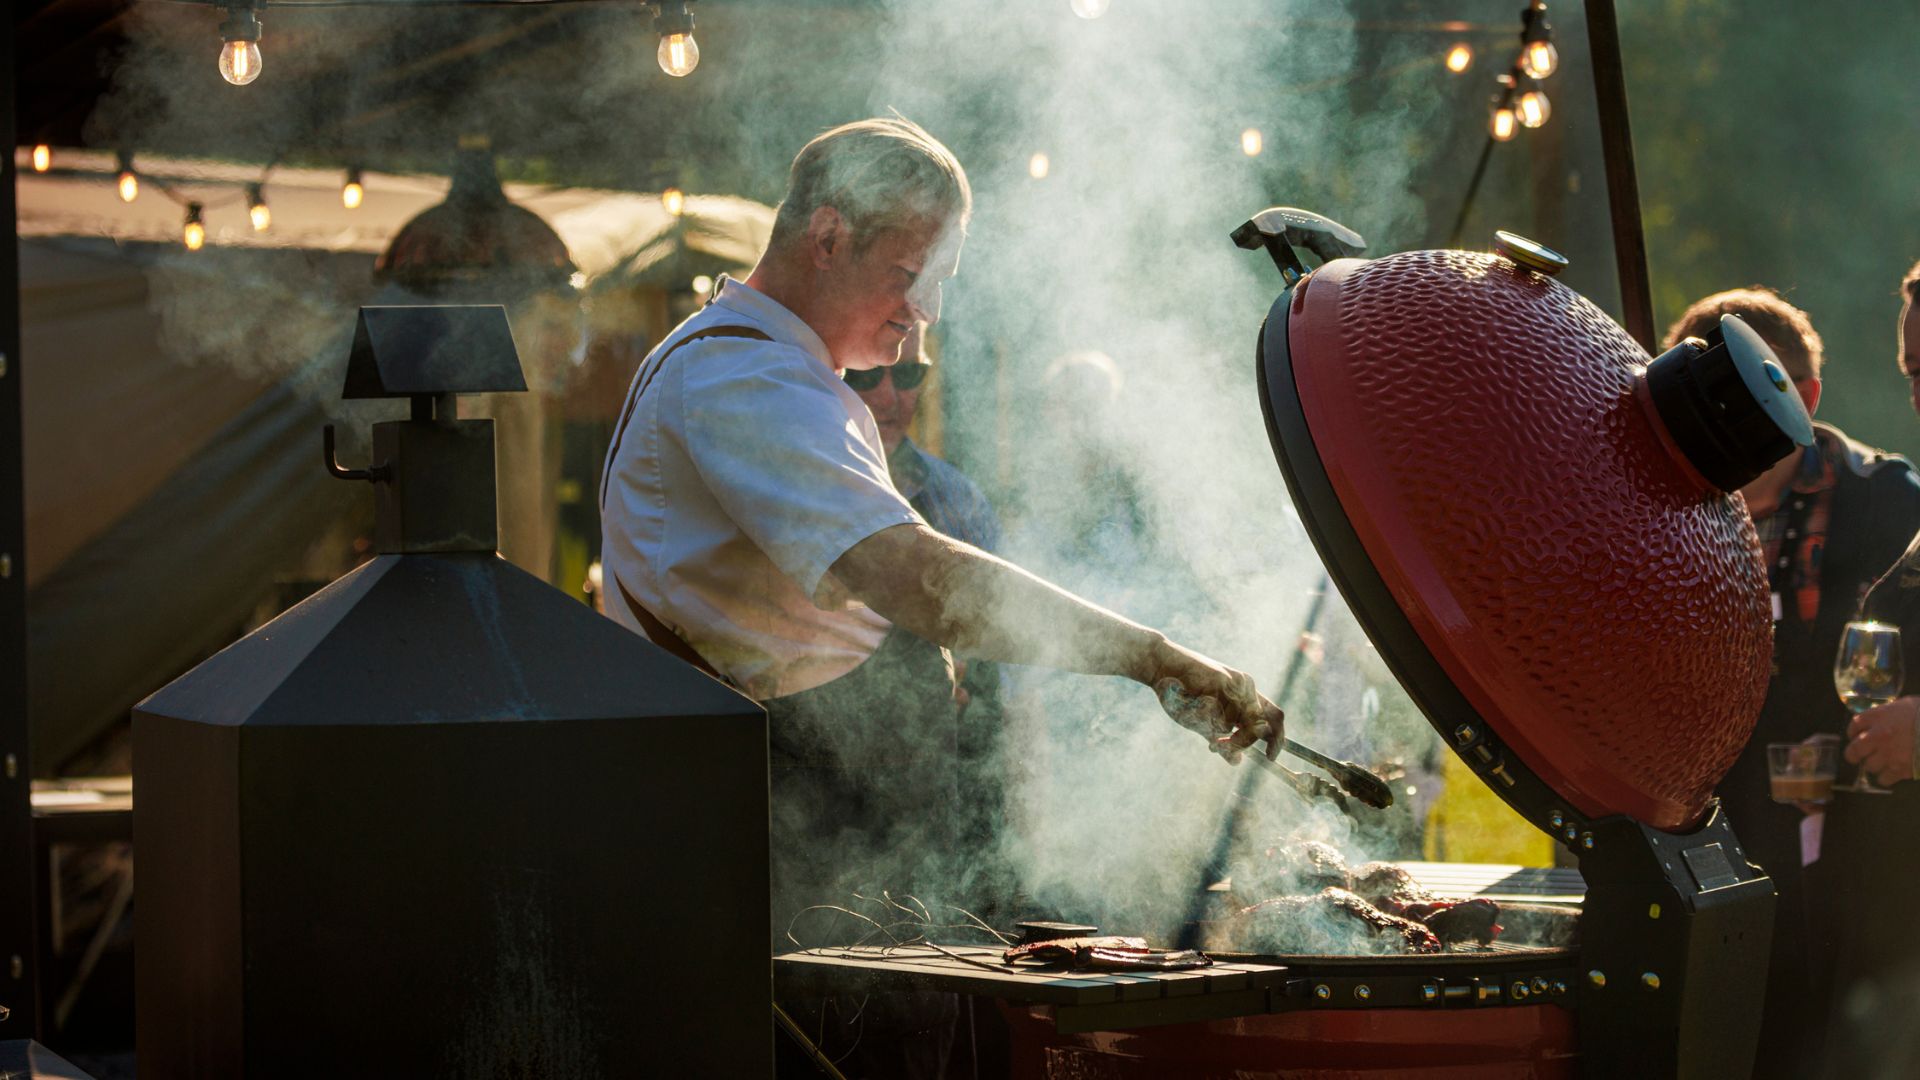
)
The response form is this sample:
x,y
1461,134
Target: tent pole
x,y
1623,187
18,978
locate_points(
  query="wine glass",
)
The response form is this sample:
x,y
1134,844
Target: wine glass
x,y
1867,672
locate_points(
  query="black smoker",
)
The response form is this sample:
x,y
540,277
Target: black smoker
x,y
440,819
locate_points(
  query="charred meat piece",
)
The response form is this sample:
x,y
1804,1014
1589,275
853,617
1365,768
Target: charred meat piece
x,y
1391,889
1287,868
1457,921
1103,954
1332,921
1060,949
1388,886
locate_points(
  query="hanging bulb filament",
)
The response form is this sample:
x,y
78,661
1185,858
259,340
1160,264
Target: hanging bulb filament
x,y
1533,108
353,192
674,201
1538,57
194,233
240,46
42,157
1460,58
1503,123
127,182
678,53
257,211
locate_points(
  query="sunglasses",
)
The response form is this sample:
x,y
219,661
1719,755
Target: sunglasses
x,y
907,375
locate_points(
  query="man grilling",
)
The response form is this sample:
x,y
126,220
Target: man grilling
x,y
751,526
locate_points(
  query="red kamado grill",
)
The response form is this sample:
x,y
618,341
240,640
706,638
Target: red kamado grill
x,y
1532,520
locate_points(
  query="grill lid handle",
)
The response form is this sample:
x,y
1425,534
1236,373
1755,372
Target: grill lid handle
x,y
1278,228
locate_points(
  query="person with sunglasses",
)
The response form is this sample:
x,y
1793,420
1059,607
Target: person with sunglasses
x,y
750,526
954,506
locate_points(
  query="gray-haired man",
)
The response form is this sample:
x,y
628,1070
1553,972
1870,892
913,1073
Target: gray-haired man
x,y
751,525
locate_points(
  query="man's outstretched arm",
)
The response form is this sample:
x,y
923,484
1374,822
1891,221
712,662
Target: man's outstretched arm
x,y
956,595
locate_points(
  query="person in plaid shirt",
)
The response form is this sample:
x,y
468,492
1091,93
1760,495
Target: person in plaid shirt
x,y
1831,518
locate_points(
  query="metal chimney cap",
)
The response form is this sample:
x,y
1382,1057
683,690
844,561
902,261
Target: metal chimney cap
x,y
403,351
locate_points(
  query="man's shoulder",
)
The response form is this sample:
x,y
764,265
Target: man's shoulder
x,y
1864,461
722,349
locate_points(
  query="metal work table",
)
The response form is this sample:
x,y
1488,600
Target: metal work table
x,y
1112,1001
1081,1001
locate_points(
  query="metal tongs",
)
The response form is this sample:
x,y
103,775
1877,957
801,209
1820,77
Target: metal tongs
x,y
1351,779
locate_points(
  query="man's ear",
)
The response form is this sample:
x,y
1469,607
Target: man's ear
x,y
1809,393
827,237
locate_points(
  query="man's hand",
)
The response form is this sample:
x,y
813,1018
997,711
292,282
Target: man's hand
x,y
1219,703
1880,740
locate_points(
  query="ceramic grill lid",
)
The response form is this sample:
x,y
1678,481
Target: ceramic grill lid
x,y
1537,535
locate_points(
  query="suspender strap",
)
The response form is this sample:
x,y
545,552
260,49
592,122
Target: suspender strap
x,y
658,632
640,387
662,635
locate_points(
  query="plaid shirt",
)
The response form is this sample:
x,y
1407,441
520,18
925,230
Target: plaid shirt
x,y
1794,536
942,494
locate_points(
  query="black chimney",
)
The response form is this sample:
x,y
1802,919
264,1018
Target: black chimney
x,y
440,819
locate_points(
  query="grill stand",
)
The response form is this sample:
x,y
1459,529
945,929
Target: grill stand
x,y
1674,935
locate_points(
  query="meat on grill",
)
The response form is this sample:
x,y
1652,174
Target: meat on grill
x,y
1312,888
1331,921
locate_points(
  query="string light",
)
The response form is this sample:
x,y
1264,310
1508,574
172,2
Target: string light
x,y
1533,108
678,53
674,200
127,182
1538,57
1251,142
257,211
353,192
42,157
1089,9
240,45
1460,58
194,233
1503,123
1038,166
702,285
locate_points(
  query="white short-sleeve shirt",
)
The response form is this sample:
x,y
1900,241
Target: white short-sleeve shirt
x,y
746,469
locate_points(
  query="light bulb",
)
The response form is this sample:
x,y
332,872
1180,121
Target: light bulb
x,y
1251,142
257,211
194,234
353,192
129,186
1540,59
1503,123
702,285
1460,58
1533,108
42,157
240,62
1089,9
1038,166
679,54
674,200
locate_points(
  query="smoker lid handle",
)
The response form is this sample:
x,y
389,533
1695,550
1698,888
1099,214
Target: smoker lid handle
x,y
1279,228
